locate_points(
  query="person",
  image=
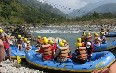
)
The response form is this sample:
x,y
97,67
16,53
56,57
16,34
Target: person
x,y
103,38
96,35
53,45
80,54
89,36
24,44
90,49
39,41
2,33
46,50
102,30
6,46
79,40
107,31
28,47
97,41
19,42
62,53
2,52
65,43
84,37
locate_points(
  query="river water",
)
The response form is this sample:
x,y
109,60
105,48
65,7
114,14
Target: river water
x,y
70,37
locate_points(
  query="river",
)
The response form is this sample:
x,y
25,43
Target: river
x,y
70,37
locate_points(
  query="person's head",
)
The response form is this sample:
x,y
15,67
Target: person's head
x,y
89,38
97,40
84,34
78,44
96,34
65,42
102,33
102,29
51,42
25,39
89,34
79,40
88,45
45,41
1,31
39,37
61,44
28,43
19,36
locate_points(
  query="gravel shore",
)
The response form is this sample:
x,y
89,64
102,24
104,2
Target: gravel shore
x,y
14,67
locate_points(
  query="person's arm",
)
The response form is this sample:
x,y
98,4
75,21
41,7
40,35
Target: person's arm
x,y
92,49
56,53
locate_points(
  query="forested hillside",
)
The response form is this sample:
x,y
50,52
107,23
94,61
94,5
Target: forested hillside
x,y
28,11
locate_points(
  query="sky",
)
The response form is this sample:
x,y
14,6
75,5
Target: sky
x,y
68,6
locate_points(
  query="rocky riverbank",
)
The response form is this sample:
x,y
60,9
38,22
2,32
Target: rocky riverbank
x,y
14,67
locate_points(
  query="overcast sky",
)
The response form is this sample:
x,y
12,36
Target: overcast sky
x,y
65,5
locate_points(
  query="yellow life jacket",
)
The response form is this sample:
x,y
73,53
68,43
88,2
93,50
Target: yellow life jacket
x,y
63,52
82,53
47,50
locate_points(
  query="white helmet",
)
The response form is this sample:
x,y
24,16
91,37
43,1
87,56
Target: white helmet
x,y
88,44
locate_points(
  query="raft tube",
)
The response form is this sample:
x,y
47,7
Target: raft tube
x,y
105,47
16,52
99,60
111,34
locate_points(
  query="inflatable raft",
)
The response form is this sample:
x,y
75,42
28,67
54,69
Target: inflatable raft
x,y
111,34
16,52
99,60
105,47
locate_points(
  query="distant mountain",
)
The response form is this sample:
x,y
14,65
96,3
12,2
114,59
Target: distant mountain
x,y
82,11
105,8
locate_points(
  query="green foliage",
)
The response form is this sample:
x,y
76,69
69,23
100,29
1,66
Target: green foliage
x,y
30,11
95,16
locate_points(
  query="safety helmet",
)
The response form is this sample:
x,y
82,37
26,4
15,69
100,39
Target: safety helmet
x,y
64,41
1,30
96,34
61,44
45,41
39,37
79,44
102,33
25,39
44,38
88,45
19,36
79,40
89,34
84,34
51,42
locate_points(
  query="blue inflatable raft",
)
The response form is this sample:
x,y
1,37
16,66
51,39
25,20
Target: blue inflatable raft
x,y
111,34
99,60
16,52
105,47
